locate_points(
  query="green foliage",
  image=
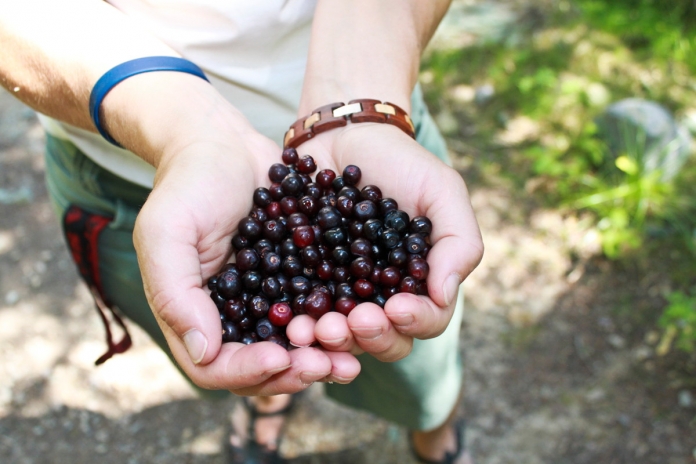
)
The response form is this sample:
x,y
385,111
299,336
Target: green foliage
x,y
562,78
558,80
655,29
679,322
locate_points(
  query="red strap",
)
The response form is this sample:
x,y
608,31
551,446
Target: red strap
x,y
82,231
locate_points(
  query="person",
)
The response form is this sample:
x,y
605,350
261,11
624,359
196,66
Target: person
x,y
191,152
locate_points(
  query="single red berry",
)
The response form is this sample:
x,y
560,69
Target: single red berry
x,y
376,274
277,172
247,259
388,292
325,270
310,256
325,178
308,205
279,339
356,229
230,332
388,204
313,190
280,314
298,305
408,285
418,268
235,310
361,267
259,214
297,219
422,288
306,165
421,225
344,205
258,307
274,210
390,277
350,192
299,285
246,323
352,175
290,156
318,303
303,236
361,247
365,210
262,197
249,227
371,192
274,230
288,205
363,288
276,190
345,305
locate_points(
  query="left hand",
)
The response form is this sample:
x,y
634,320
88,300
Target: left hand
x,y
422,185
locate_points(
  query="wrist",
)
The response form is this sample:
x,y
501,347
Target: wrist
x,y
156,115
337,115
318,92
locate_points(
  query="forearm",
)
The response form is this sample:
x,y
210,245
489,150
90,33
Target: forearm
x,y
54,52
367,49
51,60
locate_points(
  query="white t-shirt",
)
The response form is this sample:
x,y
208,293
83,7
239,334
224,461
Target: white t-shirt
x,y
253,52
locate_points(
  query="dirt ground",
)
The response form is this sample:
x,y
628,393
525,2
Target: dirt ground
x,y
559,365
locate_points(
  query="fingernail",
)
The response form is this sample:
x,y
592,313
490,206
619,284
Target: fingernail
x,y
277,370
368,333
308,378
340,380
196,345
300,346
401,319
449,289
334,342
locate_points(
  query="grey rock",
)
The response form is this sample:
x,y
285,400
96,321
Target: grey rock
x,y
483,94
646,132
685,399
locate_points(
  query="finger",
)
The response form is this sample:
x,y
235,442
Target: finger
x,y
417,316
375,334
345,367
170,265
308,365
236,366
300,330
457,244
332,331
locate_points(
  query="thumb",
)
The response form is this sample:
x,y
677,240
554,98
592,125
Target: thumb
x,y
171,269
457,243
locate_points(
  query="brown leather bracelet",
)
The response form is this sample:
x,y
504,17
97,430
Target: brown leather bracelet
x,y
339,114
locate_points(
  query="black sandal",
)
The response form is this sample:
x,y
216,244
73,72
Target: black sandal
x,y
249,451
450,458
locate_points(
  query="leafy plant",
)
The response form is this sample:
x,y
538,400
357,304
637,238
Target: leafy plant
x,y
679,322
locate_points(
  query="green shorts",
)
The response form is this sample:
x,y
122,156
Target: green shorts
x,y
417,392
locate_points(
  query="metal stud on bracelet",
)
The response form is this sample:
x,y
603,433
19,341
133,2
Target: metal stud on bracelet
x,y
339,114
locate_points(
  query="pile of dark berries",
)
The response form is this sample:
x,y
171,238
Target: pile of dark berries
x,y
310,246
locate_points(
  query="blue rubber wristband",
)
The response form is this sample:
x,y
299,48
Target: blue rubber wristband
x,y
130,68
